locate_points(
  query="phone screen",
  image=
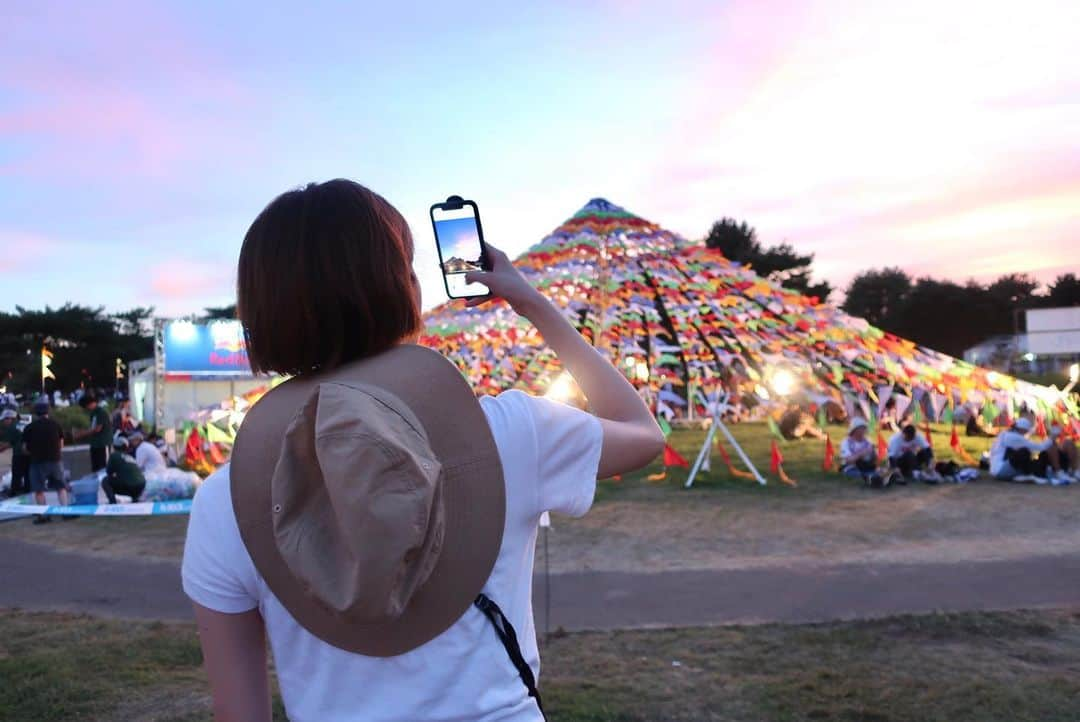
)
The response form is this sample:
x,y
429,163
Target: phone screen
x,y
460,250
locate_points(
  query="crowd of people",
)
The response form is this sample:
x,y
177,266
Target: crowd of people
x,y
120,451
910,457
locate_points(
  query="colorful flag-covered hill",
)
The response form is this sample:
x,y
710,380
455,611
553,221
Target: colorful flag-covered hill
x,y
670,311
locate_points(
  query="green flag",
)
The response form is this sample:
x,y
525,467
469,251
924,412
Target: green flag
x,y
664,426
990,412
774,428
821,420
947,414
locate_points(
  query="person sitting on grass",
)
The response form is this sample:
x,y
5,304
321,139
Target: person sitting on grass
x,y
1063,454
796,423
1015,457
911,455
858,458
122,474
890,419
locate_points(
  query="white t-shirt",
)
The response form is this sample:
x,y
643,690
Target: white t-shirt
x,y
549,454
898,445
1010,439
149,458
851,449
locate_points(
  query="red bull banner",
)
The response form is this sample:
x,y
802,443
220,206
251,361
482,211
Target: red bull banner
x,y
215,348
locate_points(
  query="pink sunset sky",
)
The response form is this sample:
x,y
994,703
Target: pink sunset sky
x,y
138,140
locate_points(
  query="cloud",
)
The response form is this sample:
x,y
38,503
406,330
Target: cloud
x,y
181,286
126,95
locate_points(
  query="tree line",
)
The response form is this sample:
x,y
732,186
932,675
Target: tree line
x,y
938,313
85,342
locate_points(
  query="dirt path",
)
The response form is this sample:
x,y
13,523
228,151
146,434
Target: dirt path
x,y
66,581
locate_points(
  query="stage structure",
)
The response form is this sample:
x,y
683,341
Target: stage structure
x,y
678,317
195,365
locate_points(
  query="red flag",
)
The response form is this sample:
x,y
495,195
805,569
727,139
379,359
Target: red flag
x,y
827,464
193,451
882,447
776,458
954,440
673,458
1040,428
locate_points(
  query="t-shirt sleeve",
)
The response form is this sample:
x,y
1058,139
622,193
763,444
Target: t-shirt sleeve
x,y
568,445
217,571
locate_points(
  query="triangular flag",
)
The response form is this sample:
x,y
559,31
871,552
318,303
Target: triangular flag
x,y
775,458
884,393
673,458
882,447
1040,428
665,427
771,423
827,464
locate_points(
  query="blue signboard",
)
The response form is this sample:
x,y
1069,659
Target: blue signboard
x,y
211,349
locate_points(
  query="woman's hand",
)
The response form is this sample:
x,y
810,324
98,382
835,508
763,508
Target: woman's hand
x,y
505,282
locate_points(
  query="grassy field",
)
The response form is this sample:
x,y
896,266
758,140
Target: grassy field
x,y
1002,667
729,523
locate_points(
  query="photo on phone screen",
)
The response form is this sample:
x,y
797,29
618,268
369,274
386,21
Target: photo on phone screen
x,y
458,235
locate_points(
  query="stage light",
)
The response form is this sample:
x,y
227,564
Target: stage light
x,y
783,382
1028,356
563,388
642,371
182,331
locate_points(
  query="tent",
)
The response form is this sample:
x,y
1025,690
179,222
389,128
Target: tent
x,y
678,317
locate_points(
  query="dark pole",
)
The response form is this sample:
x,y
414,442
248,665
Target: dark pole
x,y
547,587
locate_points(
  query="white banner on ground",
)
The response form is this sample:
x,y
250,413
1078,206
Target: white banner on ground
x,y
147,508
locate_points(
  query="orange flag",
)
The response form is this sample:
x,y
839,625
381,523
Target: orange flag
x,y
830,454
882,447
775,458
954,443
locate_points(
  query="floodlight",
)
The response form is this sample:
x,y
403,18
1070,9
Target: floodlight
x,y
182,331
562,388
1074,373
783,382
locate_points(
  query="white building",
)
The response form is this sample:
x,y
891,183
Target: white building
x,y
1050,344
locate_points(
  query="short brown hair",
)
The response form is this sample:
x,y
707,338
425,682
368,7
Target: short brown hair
x,y
324,278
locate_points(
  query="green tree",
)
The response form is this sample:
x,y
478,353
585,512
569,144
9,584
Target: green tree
x,y
1064,291
878,296
85,343
781,263
213,313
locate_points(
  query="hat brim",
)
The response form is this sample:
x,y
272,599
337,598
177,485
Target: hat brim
x,y
474,497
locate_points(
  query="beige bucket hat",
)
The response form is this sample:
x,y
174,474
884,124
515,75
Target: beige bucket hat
x,y
371,499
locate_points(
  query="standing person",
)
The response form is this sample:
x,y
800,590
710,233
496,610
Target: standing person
x,y
147,456
44,440
1015,457
858,457
11,438
911,455
377,522
122,474
122,420
99,433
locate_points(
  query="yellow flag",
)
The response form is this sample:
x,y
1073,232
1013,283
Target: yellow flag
x,y
46,361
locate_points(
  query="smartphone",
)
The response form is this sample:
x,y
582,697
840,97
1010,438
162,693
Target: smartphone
x,y
460,241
